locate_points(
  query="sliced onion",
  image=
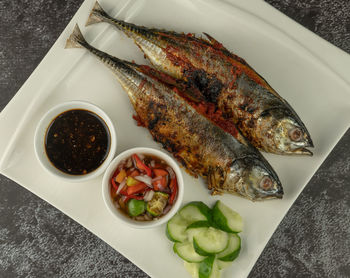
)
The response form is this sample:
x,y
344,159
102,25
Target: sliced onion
x,y
141,156
128,163
153,163
121,186
166,209
141,218
133,161
145,179
157,178
123,198
171,172
148,196
167,180
121,164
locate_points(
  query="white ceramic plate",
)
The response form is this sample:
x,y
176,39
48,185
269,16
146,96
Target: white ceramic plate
x,y
309,72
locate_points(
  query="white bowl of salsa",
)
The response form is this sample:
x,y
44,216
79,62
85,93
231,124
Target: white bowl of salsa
x,y
143,187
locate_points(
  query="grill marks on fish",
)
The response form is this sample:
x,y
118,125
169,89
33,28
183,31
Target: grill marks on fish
x,y
181,131
193,97
209,86
155,115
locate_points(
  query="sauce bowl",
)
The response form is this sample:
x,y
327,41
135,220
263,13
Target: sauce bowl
x,y
42,129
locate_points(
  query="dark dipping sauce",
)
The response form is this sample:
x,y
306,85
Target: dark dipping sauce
x,y
77,142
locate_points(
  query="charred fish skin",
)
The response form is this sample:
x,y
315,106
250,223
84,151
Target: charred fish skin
x,y
219,75
202,147
267,121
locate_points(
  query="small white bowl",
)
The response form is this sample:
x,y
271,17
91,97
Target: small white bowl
x,y
119,215
40,133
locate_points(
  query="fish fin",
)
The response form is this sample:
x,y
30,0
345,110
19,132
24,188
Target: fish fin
x,y
178,86
216,178
211,179
95,14
214,42
76,39
216,192
193,94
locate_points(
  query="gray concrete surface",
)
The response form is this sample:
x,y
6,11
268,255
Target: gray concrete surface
x,y
36,240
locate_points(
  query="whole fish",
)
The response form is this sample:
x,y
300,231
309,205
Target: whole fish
x,y
226,80
201,146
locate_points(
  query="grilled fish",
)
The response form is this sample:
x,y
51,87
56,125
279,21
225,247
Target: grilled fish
x,y
226,80
228,164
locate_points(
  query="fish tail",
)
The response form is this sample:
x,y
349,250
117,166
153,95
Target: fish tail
x,y
97,15
76,39
127,73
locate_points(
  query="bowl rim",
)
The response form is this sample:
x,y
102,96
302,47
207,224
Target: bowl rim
x,y
106,188
49,116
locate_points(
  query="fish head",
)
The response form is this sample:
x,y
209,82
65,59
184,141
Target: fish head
x,y
285,132
253,178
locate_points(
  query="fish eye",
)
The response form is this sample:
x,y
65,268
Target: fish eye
x,y
266,183
295,134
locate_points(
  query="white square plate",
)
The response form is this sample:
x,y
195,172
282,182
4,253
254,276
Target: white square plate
x,y
307,71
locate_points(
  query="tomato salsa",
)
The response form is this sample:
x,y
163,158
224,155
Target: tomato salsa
x,y
144,187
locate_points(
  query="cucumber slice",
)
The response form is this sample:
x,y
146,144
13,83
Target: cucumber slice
x,y
209,268
196,211
227,219
198,224
176,229
193,232
232,250
222,264
192,269
186,252
210,241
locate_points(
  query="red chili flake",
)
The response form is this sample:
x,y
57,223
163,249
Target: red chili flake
x,y
138,120
143,82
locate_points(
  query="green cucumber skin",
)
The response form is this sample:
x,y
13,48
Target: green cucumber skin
x,y
168,235
203,208
176,252
199,250
174,249
206,267
216,219
168,232
231,257
199,224
220,220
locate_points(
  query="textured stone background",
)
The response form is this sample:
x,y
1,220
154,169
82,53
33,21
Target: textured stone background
x,y
36,240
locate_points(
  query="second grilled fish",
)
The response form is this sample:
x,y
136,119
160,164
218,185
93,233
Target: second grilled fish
x,y
224,79
228,164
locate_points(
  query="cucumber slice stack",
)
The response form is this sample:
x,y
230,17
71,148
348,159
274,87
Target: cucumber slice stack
x,y
206,239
